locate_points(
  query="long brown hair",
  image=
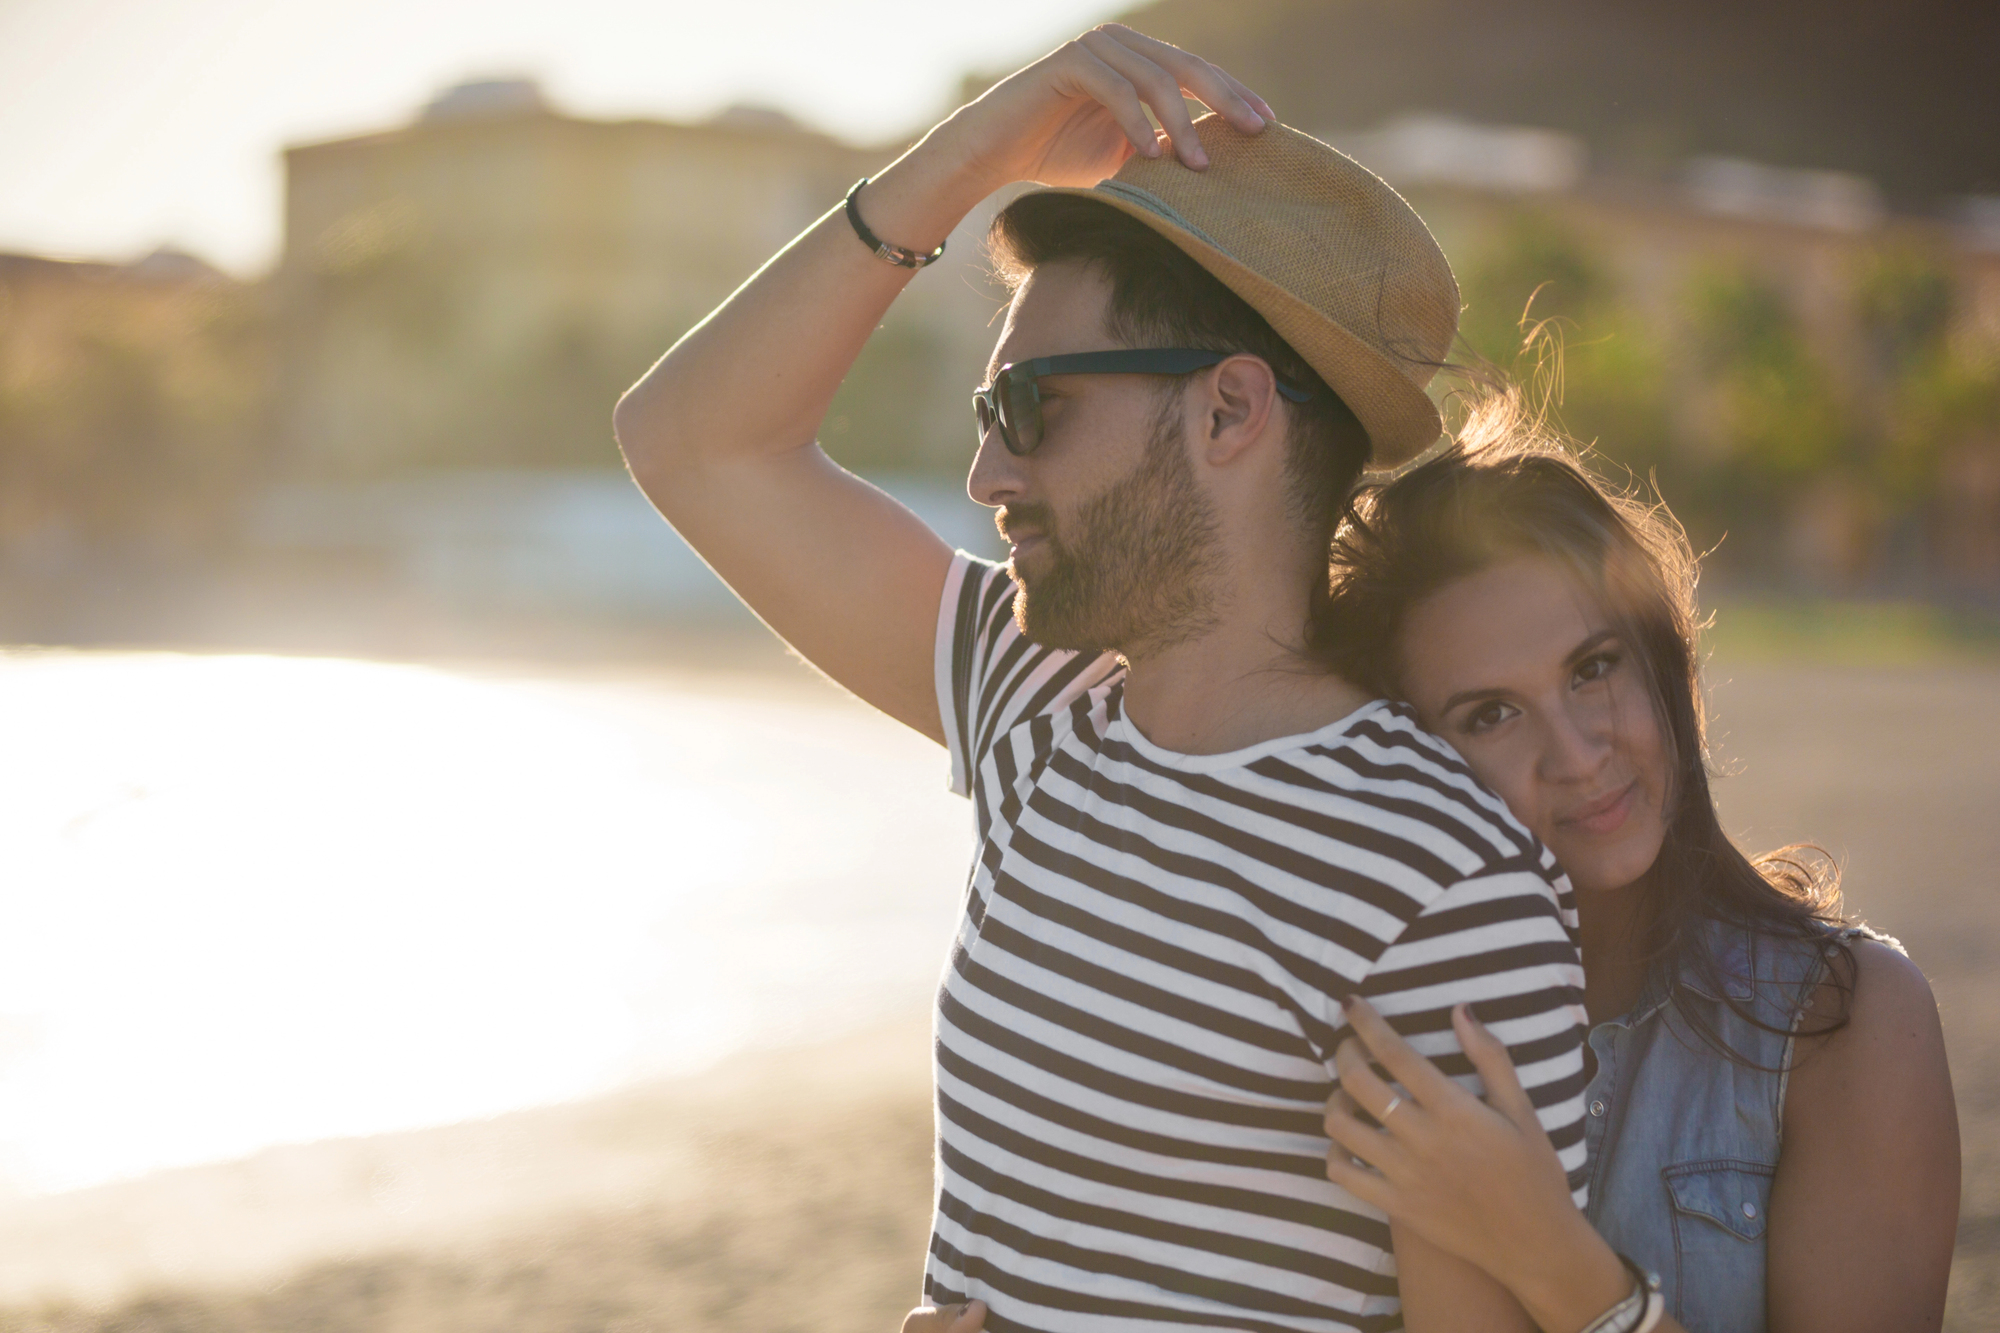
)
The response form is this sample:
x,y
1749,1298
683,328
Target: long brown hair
x,y
1508,486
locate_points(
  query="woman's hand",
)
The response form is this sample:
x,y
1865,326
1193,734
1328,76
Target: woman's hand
x,y
1074,116
967,1318
1477,1179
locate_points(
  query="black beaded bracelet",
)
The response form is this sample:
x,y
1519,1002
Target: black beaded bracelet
x,y
891,254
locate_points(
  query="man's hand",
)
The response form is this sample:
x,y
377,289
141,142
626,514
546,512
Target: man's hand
x,y
967,1318
1074,116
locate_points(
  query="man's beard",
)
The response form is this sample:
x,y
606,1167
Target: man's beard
x,y
1136,570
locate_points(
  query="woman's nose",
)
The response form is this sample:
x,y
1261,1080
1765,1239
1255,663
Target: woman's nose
x,y
1579,739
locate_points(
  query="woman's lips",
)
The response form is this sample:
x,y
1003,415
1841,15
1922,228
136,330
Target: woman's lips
x,y
1607,814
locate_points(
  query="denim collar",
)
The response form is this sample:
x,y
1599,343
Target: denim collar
x,y
1735,951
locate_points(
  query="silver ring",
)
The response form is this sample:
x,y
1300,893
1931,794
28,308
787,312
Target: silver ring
x,y
1394,1102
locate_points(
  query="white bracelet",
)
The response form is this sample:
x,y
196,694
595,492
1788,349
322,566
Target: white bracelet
x,y
1640,1312
1623,1317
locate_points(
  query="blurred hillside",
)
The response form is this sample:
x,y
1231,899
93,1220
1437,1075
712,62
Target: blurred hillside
x,y
1902,93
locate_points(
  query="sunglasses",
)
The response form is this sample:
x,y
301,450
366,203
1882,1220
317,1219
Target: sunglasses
x,y
1013,401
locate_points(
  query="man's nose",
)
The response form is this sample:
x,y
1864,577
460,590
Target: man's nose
x,y
997,476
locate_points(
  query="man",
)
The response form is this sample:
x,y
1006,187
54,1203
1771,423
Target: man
x,y
1194,839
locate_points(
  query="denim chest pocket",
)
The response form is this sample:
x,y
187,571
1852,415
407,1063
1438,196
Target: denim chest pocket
x,y
1720,1210
1735,1195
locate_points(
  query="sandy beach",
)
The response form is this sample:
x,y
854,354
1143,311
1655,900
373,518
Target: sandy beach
x,y
789,1189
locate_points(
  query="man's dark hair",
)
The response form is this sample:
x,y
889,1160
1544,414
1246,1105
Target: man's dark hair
x,y
1160,297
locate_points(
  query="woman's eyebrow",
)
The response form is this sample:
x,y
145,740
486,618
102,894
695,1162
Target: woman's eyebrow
x,y
1576,654
1589,646
1470,696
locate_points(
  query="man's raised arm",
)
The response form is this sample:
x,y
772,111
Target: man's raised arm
x,y
720,433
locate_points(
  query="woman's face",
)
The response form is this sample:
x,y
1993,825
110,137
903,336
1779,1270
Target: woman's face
x,y
1521,671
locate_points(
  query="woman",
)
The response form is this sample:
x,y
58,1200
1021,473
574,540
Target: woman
x,y
1771,1130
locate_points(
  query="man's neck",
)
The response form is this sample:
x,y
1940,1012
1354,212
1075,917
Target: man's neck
x,y
1236,685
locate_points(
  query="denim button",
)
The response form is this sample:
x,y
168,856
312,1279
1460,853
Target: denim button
x,y
1750,1210
1597,1108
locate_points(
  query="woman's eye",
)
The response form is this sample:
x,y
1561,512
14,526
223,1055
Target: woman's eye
x,y
1487,716
1596,668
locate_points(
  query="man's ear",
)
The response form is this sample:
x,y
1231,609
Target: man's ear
x,y
1237,406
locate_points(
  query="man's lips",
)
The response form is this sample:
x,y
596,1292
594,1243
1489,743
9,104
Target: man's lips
x,y
1022,539
1606,814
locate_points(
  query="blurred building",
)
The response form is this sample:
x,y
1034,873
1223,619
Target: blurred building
x,y
475,288
462,300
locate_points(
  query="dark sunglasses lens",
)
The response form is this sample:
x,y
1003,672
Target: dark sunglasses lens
x,y
1020,414
982,408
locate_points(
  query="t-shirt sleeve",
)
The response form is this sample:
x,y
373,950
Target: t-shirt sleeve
x,y
990,676
1497,939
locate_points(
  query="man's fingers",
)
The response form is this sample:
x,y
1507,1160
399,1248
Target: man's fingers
x,y
1159,89
1207,83
1258,104
1216,90
1117,95
1496,1069
1410,1069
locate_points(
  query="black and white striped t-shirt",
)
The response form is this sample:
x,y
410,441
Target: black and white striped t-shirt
x,y
1136,1029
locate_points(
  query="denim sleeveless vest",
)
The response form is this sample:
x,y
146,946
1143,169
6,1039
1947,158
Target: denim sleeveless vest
x,y
1684,1142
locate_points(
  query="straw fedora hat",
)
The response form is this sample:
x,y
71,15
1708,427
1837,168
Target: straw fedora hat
x,y
1320,246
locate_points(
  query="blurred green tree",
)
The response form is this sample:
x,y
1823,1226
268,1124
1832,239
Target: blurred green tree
x,y
1778,416
1904,298
876,423
1542,307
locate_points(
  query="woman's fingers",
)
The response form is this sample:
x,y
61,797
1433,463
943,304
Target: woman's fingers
x,y
967,1318
1410,1069
1353,1138
1361,1088
1496,1069
1361,1083
1362,1183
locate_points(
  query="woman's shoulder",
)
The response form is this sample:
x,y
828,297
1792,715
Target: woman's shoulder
x,y
1869,987
1868,1036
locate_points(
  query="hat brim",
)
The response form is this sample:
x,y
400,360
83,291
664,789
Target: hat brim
x,y
1400,418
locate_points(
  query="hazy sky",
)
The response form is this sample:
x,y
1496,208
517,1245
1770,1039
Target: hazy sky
x,y
128,123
